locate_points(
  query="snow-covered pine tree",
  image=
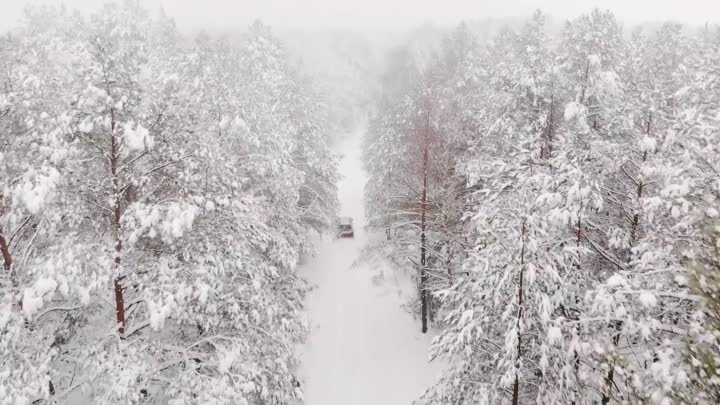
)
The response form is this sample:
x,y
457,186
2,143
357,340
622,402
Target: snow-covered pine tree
x,y
412,151
159,221
33,83
657,200
703,339
506,339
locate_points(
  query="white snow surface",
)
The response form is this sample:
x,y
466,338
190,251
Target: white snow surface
x,y
363,348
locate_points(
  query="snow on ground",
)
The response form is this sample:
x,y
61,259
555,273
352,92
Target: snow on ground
x,y
363,348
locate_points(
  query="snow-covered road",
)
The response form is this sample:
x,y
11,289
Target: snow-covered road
x,y
363,349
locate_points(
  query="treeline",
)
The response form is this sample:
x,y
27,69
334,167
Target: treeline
x,y
552,194
155,195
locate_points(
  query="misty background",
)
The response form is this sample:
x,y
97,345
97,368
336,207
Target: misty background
x,y
384,15
344,46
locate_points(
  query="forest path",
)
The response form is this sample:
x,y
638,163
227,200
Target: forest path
x,y
363,348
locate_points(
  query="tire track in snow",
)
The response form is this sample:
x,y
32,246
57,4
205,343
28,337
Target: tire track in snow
x,y
363,349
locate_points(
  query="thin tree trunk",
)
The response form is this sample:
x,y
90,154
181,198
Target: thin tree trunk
x,y
388,235
516,385
634,226
583,87
449,254
117,209
578,235
8,266
638,194
5,250
551,122
546,146
577,372
117,217
423,248
610,378
423,208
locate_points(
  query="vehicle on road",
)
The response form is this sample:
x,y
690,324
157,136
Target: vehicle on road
x,y
345,228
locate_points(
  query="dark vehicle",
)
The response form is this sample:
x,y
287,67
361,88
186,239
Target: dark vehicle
x,y
345,228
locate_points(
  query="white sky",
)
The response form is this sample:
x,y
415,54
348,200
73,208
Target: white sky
x,y
387,14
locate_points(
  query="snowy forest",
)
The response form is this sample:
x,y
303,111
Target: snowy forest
x,y
557,195
536,206
157,193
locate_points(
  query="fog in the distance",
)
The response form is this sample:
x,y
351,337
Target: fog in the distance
x,y
385,15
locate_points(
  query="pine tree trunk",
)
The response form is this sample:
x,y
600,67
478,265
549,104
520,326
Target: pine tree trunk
x,y
610,378
388,235
423,248
114,160
551,123
424,302
634,226
5,250
584,83
546,145
516,385
638,194
8,266
578,234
